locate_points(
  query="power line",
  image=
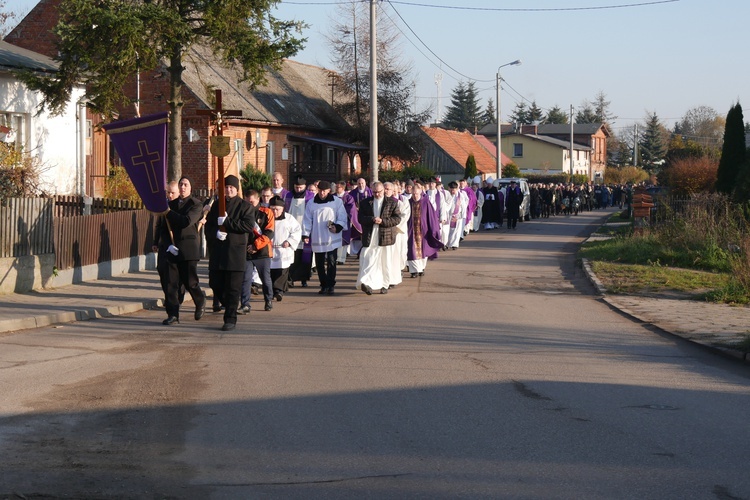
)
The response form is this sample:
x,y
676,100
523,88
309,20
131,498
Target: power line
x,y
530,9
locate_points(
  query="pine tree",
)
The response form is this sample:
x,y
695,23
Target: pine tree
x,y
733,151
586,114
556,115
520,114
535,113
651,144
464,112
489,113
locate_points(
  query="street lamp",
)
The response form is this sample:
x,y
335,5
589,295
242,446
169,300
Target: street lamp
x,y
499,152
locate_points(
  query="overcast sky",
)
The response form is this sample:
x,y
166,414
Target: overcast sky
x,y
646,56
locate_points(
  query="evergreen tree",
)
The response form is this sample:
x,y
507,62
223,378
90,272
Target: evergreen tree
x,y
464,112
556,115
520,114
489,113
651,145
733,151
586,114
104,44
471,167
535,113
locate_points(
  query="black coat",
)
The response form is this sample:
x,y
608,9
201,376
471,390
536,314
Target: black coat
x,y
229,255
182,220
391,217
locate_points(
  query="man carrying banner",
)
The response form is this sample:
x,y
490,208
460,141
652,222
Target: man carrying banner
x,y
179,253
227,234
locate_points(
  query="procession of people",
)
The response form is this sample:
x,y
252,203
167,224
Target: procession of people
x,y
277,238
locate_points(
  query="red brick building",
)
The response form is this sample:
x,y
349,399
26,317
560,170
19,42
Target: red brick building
x,y
288,125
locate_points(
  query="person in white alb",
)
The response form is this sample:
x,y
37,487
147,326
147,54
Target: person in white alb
x,y
286,236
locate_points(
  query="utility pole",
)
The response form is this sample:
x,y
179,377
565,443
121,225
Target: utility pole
x,y
571,139
373,90
635,146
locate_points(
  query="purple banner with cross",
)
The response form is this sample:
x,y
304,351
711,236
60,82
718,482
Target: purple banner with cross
x,y
141,144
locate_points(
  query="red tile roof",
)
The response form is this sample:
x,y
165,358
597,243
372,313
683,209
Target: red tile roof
x,y
458,145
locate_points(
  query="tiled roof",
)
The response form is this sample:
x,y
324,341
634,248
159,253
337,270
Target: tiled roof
x,y
14,58
295,95
458,145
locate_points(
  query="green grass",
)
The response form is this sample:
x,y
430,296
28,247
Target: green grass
x,y
650,250
640,279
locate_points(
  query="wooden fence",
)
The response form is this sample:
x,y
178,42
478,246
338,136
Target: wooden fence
x,y
92,239
25,226
36,226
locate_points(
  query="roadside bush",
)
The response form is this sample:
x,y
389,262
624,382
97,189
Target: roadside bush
x,y
19,173
625,175
690,175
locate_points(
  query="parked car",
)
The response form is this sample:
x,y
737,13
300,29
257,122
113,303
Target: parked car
x,y
525,209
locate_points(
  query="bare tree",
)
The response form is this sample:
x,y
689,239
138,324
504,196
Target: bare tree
x,y
349,40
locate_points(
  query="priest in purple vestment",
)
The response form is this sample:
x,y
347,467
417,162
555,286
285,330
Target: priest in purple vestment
x,y
424,232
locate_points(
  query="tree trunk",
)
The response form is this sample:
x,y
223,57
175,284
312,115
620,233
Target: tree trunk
x,y
174,165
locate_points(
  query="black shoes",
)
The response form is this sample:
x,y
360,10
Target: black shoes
x,y
383,291
244,310
228,326
278,296
217,307
255,289
323,290
172,320
366,289
269,305
200,310
413,275
330,291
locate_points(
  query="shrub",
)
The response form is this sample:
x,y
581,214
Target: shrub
x,y
511,170
19,173
690,175
625,175
253,178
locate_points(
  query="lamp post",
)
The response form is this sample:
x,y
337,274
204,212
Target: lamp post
x,y
499,152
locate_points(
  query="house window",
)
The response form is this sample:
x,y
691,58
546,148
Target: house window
x,y
517,150
14,129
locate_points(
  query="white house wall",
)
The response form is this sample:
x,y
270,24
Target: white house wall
x,y
53,140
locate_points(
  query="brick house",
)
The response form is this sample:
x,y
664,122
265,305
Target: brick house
x,y
287,125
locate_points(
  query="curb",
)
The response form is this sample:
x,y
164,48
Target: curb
x,y
74,315
601,290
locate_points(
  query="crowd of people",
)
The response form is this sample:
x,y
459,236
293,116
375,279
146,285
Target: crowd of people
x,y
266,242
551,199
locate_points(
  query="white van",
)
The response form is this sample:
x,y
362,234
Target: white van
x,y
523,183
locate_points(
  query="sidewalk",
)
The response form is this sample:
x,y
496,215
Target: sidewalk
x,y
124,294
711,325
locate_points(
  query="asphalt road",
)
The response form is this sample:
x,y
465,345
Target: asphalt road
x,y
499,374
